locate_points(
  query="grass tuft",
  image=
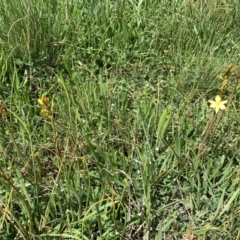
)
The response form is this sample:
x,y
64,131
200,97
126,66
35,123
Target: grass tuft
x,y
106,127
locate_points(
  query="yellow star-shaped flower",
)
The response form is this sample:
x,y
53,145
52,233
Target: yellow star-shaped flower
x,y
218,104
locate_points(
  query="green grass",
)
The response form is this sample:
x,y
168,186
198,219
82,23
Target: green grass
x,y
131,148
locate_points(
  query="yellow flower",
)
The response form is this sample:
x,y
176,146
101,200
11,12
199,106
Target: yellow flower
x,y
218,104
224,85
47,113
43,100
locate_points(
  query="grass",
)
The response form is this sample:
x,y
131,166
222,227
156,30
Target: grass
x,y
127,146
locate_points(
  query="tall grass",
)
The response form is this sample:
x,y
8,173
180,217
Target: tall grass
x,y
125,145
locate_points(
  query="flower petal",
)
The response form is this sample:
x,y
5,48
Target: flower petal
x,y
218,98
40,101
213,104
221,106
217,109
